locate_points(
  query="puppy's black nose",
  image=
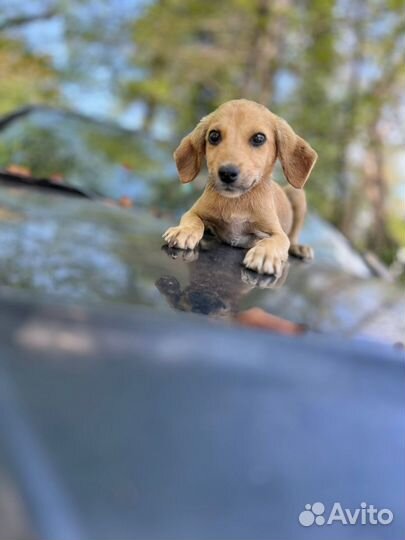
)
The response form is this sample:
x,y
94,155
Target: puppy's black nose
x,y
228,173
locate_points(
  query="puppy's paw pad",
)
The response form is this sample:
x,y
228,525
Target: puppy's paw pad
x,y
306,253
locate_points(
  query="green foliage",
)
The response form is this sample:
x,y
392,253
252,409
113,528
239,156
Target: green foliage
x,y
397,228
190,55
25,77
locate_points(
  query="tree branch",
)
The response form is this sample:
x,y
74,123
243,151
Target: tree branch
x,y
21,20
8,118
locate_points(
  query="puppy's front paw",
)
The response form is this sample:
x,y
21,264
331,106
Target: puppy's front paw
x,y
306,253
182,237
265,260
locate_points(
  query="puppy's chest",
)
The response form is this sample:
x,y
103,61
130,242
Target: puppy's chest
x,y
236,231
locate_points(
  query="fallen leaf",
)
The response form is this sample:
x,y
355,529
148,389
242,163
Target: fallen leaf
x,y
57,177
20,170
126,202
258,318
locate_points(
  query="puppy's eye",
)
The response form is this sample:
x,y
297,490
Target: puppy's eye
x,y
258,139
214,137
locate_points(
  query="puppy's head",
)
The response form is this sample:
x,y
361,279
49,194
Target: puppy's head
x,y
241,141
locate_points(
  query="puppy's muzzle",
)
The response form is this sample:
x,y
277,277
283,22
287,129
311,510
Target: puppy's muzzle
x,y
228,173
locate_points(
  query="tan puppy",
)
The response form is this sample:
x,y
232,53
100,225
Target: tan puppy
x,y
241,141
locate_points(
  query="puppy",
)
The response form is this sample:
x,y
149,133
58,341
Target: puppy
x,y
241,205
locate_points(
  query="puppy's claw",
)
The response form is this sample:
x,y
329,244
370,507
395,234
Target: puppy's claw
x,y
261,261
182,237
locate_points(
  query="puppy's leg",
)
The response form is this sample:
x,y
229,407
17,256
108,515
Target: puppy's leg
x,y
298,202
188,234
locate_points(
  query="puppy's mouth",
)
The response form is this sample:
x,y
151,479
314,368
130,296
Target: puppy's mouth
x,y
233,190
230,191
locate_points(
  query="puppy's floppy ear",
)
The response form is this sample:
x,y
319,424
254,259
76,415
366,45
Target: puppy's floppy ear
x,y
190,152
296,155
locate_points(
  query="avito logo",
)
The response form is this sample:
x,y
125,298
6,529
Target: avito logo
x,y
365,515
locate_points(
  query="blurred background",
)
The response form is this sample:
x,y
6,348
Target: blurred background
x,y
334,69
142,422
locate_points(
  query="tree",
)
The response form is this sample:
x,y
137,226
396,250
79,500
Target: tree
x,y
25,77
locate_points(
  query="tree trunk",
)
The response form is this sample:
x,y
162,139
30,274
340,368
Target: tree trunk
x,y
258,80
349,120
378,238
